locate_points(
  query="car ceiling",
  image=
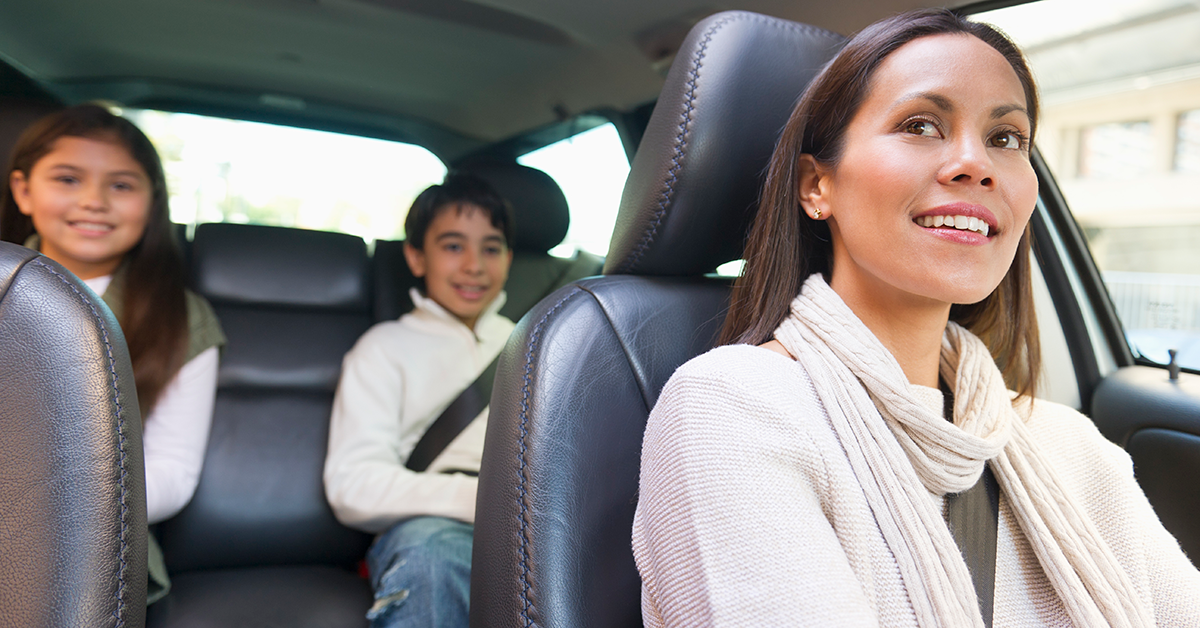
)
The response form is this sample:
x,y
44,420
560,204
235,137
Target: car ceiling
x,y
453,74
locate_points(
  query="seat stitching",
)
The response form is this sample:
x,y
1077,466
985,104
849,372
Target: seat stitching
x,y
522,461
119,611
668,192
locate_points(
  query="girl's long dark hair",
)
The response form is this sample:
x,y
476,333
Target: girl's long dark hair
x,y
785,246
154,311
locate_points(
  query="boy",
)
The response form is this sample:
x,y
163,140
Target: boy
x,y
396,381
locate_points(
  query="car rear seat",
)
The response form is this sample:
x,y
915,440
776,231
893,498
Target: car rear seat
x,y
258,544
542,217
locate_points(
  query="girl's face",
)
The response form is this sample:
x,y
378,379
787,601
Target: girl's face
x,y
934,187
89,201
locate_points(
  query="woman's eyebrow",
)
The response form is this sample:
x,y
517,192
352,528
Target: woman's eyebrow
x,y
943,103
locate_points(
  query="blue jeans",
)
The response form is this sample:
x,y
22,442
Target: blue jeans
x,y
421,572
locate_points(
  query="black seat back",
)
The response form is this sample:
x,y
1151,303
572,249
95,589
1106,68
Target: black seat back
x,y
542,218
291,302
72,499
584,367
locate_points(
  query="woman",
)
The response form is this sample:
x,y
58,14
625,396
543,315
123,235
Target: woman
x,y
86,188
804,474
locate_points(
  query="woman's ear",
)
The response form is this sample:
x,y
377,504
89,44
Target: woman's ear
x,y
18,185
813,187
415,259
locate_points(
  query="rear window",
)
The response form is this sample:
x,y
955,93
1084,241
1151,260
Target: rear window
x,y
221,170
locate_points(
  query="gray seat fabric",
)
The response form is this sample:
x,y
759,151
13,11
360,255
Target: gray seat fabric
x,y
258,545
542,217
575,385
72,499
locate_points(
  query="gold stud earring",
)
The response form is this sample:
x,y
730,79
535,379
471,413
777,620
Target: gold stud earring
x,y
817,213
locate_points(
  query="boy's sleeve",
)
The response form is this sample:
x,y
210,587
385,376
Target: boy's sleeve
x,y
366,482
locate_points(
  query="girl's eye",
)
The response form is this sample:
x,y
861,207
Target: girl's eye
x,y
922,127
122,187
1009,139
66,179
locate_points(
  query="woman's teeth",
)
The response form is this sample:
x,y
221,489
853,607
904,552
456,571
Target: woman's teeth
x,y
962,223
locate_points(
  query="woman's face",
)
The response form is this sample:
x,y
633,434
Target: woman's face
x,y
89,201
934,187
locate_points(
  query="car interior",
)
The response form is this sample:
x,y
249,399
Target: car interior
x,y
697,97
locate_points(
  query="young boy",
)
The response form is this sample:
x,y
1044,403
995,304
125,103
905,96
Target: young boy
x,y
396,381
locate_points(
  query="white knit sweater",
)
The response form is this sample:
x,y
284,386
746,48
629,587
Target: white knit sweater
x,y
396,381
749,513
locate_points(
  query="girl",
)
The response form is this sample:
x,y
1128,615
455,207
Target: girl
x,y
86,188
805,475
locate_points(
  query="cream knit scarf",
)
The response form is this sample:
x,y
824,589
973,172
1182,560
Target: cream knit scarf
x,y
903,454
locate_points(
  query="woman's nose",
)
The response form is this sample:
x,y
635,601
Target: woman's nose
x,y
969,163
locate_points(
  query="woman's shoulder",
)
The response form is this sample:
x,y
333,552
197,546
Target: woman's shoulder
x,y
738,375
1072,440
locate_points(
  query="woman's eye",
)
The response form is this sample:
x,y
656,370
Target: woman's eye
x,y
922,127
1008,139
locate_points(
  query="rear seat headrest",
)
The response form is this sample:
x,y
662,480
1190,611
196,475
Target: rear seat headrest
x,y
538,203
253,264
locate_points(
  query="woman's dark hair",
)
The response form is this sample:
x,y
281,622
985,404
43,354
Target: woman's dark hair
x,y
154,311
458,189
785,246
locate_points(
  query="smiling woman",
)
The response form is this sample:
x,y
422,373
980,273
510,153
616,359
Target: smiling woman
x,y
870,436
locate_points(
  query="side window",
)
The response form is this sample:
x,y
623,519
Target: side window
x,y
1120,128
591,168
221,170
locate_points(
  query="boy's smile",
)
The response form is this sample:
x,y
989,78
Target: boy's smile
x,y
464,261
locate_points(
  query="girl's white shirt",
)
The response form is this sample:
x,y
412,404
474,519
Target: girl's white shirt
x,y
175,430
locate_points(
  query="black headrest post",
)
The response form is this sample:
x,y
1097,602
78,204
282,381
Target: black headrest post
x,y
694,183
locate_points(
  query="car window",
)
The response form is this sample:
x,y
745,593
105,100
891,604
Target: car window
x,y
591,168
221,170
1120,129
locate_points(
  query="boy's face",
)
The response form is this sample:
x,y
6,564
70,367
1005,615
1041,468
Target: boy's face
x,y
465,261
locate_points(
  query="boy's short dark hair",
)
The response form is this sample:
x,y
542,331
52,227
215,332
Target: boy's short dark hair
x,y
457,189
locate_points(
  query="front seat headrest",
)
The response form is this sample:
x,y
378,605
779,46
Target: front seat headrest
x,y
694,183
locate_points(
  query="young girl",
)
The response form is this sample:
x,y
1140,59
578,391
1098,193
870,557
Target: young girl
x,y
86,188
808,475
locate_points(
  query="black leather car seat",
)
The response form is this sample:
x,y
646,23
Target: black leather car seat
x,y
558,487
258,545
542,218
72,497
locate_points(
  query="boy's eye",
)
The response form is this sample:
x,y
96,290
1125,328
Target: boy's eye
x,y
493,250
452,247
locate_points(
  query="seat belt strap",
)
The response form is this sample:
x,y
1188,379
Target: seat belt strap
x,y
974,516
453,420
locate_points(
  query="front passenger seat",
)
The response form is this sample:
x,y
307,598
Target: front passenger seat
x,y
558,486
72,484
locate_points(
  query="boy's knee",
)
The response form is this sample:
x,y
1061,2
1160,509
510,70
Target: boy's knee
x,y
425,584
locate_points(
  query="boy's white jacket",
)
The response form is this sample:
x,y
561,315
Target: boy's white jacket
x,y
396,380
